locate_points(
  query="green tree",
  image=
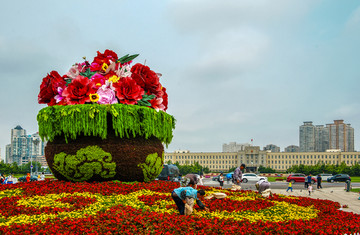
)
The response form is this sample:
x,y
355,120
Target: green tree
x,y
262,169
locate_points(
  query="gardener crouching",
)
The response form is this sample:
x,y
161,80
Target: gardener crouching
x,y
189,180
184,198
263,187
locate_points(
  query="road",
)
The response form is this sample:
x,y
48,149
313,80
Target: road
x,y
276,185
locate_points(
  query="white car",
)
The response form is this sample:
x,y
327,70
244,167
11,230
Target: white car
x,y
324,177
252,177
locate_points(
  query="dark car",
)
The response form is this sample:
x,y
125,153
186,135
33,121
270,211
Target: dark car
x,y
32,178
339,178
216,178
169,172
298,177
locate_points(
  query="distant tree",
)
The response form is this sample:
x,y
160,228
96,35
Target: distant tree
x,y
195,168
263,169
232,169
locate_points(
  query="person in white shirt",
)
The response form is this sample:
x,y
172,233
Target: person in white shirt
x,y
42,177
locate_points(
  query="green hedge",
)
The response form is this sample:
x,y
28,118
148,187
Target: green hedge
x,y
91,120
87,162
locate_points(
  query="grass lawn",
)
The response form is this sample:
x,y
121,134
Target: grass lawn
x,y
274,179
356,190
355,179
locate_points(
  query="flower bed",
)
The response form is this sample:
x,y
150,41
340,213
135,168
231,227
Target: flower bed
x,y
57,207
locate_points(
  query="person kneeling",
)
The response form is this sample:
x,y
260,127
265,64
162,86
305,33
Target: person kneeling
x,y
184,199
264,188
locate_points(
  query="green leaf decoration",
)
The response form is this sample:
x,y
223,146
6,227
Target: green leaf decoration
x,y
145,100
127,58
128,121
87,73
87,162
68,81
152,166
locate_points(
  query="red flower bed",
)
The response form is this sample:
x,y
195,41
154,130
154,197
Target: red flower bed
x,y
145,217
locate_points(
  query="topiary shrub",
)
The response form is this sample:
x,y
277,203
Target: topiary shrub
x,y
88,162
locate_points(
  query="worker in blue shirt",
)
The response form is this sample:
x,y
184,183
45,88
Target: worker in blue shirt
x,y
179,195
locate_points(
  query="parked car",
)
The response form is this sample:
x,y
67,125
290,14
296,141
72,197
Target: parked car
x,y
252,177
169,172
339,178
298,177
32,178
216,178
324,177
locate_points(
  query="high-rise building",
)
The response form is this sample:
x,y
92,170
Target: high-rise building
x,y
24,148
341,136
8,153
292,149
337,135
321,138
307,137
272,148
233,147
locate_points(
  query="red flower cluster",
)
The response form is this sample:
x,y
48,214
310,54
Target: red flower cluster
x,y
107,80
128,220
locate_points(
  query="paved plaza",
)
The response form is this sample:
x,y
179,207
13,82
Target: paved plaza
x,y
337,194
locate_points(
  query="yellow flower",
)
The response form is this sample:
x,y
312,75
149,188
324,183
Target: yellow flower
x,y
104,67
94,97
114,79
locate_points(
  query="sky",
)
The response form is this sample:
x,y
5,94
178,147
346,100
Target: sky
x,y
234,70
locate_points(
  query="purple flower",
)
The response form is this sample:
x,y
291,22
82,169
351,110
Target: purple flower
x,y
107,95
59,96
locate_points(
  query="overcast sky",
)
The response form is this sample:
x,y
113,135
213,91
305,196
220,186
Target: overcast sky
x,y
234,70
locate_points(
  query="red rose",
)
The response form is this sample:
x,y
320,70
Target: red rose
x,y
165,98
78,90
105,58
147,79
128,91
48,88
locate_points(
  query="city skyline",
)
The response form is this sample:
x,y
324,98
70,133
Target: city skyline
x,y
255,71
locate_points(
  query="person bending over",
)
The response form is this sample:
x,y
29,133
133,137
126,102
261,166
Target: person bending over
x,y
183,195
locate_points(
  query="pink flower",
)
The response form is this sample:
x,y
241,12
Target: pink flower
x,y
75,71
98,79
95,67
107,95
124,71
157,104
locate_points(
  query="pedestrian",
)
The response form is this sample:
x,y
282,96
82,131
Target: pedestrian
x,y
309,179
221,180
307,182
289,187
318,179
228,178
10,179
201,180
189,180
263,185
310,189
184,195
28,177
42,177
237,176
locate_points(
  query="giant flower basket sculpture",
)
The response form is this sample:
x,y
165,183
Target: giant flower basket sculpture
x,y
105,120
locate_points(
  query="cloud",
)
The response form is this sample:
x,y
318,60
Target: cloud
x,y
212,17
233,51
